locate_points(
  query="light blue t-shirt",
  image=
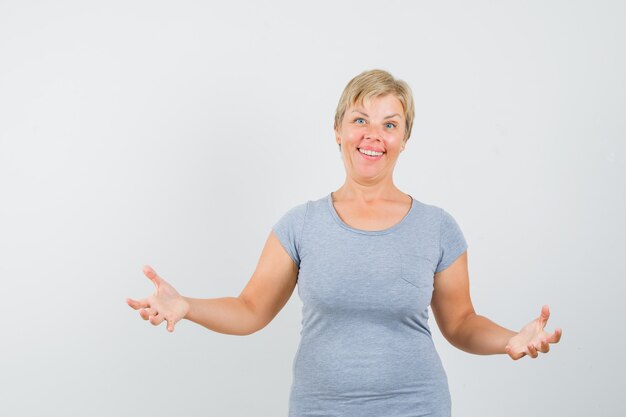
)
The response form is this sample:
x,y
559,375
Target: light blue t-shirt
x,y
366,348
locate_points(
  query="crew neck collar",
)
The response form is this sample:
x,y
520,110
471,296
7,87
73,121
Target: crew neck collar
x,y
333,211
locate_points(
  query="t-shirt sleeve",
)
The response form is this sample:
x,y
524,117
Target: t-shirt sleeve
x,y
288,230
452,243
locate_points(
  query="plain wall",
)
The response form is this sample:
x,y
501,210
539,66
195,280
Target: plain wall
x,y
175,134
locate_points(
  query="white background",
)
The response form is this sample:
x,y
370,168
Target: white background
x,y
175,134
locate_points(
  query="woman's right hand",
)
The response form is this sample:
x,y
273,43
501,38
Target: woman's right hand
x,y
165,304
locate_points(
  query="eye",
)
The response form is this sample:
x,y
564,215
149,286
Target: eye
x,y
359,121
390,125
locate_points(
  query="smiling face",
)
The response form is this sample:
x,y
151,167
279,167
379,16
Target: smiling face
x,y
371,136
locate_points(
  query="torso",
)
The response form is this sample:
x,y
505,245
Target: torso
x,y
377,216
366,348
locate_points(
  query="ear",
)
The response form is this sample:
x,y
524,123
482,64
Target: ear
x,y
337,136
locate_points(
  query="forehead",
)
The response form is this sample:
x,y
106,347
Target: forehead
x,y
388,103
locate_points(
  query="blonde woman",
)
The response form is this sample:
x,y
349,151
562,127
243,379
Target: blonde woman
x,y
368,259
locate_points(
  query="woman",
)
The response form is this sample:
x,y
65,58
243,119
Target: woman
x,y
369,260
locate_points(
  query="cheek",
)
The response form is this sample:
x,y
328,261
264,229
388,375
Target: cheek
x,y
397,138
351,135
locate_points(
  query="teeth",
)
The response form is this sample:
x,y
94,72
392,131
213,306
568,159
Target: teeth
x,y
370,153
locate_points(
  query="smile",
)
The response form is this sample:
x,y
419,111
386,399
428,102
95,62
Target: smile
x,y
371,155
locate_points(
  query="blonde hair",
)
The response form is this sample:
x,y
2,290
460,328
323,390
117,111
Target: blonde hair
x,y
373,84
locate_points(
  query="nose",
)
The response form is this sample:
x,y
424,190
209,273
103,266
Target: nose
x,y
373,132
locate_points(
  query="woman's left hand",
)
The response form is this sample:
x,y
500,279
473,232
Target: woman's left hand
x,y
533,339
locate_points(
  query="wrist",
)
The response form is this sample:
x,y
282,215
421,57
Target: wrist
x,y
187,303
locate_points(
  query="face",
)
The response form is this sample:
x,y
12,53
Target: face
x,y
376,127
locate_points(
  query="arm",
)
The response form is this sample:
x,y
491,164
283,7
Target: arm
x,y
455,315
263,297
468,331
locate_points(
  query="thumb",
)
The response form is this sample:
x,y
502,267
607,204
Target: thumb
x,y
152,275
545,315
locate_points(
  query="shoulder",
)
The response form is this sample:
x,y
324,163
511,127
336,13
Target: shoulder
x,y
435,214
430,211
309,206
300,212
293,216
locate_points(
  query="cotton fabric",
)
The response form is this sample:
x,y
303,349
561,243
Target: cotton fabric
x,y
366,347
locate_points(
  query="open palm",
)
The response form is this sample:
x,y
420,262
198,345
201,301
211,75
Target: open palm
x,y
165,304
533,338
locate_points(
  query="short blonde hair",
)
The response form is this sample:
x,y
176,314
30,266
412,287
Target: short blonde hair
x,y
373,84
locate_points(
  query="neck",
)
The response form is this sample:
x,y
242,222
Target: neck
x,y
364,193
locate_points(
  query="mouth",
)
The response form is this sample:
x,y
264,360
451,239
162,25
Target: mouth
x,y
371,155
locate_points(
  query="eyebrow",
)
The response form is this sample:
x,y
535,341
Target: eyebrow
x,y
366,115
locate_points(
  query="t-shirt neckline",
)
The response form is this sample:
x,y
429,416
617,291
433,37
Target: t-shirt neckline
x,y
331,207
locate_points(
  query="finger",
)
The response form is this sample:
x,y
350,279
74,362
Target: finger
x,y
170,325
514,355
532,352
144,314
137,304
556,336
544,347
509,351
152,275
156,320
